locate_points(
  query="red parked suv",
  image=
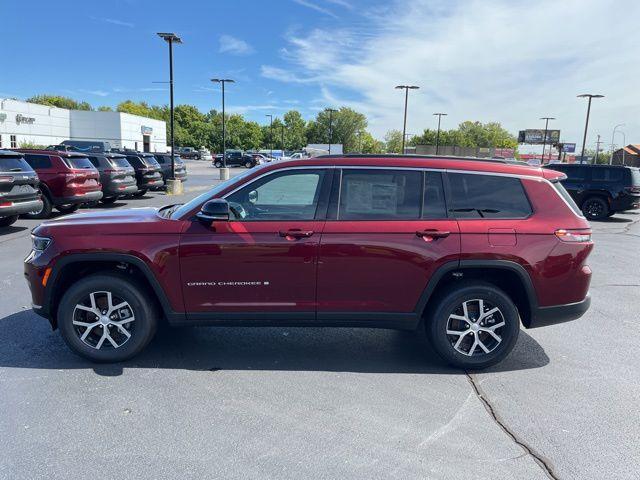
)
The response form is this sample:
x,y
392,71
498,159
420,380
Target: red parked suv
x,y
67,180
466,249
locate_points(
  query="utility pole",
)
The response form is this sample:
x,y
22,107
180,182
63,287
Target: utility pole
x,y
440,115
624,141
544,137
282,135
597,150
406,89
270,133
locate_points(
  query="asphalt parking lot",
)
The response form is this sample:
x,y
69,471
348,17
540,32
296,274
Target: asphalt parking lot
x,y
291,403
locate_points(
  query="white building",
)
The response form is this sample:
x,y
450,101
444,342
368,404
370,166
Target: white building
x,y
22,122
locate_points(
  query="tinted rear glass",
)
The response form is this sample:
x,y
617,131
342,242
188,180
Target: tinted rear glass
x,y
487,196
77,162
575,173
14,164
603,174
120,162
151,161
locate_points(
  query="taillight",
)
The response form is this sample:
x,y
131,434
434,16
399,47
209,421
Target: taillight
x,y
6,179
110,171
573,235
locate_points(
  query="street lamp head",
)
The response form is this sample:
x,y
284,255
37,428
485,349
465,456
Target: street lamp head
x,y
170,37
410,87
222,80
547,118
590,95
441,114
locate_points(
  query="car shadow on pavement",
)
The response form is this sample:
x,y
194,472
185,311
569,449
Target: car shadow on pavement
x,y
11,229
29,342
613,220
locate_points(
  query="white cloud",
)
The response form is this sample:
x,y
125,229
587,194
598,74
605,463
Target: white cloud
x,y
114,21
487,60
243,109
316,7
99,93
234,46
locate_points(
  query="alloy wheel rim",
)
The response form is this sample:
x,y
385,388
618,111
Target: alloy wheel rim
x,y
475,327
103,320
594,209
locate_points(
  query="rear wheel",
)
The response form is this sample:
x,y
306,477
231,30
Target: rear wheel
x,y
248,164
140,193
595,208
106,318
69,208
108,200
217,164
44,212
6,221
473,325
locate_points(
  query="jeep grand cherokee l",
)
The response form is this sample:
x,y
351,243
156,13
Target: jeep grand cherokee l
x,y
18,188
147,171
466,249
67,180
117,176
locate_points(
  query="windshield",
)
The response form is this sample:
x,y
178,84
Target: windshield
x,y
78,162
14,164
182,210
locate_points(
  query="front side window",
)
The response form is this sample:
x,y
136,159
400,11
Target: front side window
x,y
291,195
379,194
487,196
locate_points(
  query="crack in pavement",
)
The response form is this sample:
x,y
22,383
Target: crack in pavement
x,y
542,462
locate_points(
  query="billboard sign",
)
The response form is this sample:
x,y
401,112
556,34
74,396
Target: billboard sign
x,y
536,136
569,147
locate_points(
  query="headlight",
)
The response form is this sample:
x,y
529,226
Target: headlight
x,y
40,243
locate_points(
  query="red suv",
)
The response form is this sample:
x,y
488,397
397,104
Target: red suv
x,y
67,180
466,249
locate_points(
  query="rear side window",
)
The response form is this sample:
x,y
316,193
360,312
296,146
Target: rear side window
x,y
487,196
575,173
14,164
38,161
599,174
77,162
567,198
433,205
95,161
380,195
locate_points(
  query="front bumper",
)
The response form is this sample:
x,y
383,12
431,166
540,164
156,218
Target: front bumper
x,y
543,316
18,208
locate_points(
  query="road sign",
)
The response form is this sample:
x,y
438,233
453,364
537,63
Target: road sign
x,y
569,147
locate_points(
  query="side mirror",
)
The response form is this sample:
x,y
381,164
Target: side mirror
x,y
253,196
214,210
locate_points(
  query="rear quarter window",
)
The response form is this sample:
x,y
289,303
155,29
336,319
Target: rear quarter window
x,y
600,174
487,196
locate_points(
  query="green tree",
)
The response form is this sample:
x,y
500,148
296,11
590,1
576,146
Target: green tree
x,y
393,141
59,101
105,108
295,133
345,125
368,144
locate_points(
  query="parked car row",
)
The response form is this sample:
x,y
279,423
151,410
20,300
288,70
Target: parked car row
x,y
238,158
34,182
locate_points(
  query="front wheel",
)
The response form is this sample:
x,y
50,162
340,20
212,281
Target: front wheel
x,y
217,164
66,209
139,193
595,208
106,318
473,325
248,164
108,200
7,221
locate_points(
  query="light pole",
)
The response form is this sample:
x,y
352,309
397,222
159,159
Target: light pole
x,y
330,110
406,89
270,133
544,137
282,135
440,115
598,143
586,123
222,81
171,38
624,141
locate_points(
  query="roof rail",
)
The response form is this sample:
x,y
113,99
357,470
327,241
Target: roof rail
x,y
431,157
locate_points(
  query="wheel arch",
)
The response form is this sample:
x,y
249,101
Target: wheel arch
x,y
507,275
68,269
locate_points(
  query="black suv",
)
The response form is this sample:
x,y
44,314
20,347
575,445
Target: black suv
x,y
117,176
18,188
235,158
601,190
147,169
164,159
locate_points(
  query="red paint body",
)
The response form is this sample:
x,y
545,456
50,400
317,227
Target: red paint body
x,y
342,266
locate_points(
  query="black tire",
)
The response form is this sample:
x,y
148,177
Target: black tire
x,y
248,164
450,303
595,208
66,209
140,193
7,221
141,330
47,208
217,164
108,200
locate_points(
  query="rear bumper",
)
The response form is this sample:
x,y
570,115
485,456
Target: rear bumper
x,y
18,208
76,199
115,190
543,316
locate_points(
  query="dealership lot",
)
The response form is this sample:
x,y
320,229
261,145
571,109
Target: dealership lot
x,y
324,403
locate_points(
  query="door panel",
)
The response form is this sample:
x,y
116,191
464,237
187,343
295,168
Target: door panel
x,y
380,266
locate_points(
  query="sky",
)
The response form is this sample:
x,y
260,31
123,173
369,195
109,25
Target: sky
x,y
508,61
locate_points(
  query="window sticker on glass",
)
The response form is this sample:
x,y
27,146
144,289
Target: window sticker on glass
x,y
367,197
